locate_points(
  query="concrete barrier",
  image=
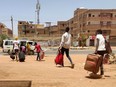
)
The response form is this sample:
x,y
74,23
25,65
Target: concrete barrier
x,y
15,83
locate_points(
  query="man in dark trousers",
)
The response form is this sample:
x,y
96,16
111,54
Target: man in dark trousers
x,y
65,45
100,48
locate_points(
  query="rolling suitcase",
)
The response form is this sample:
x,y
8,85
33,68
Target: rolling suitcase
x,y
42,54
21,56
93,62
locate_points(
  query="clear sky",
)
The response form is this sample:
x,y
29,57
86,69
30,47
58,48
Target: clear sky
x,y
51,10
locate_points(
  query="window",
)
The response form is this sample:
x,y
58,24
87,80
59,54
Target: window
x,y
109,23
103,23
89,15
106,15
72,22
27,31
8,43
89,23
20,22
30,43
63,25
80,25
32,31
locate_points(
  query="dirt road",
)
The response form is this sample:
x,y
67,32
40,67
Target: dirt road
x,y
46,74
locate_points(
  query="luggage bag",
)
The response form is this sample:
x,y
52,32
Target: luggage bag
x,y
59,59
42,54
21,56
12,56
93,62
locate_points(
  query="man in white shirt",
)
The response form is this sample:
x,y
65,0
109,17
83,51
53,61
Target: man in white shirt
x,y
65,45
16,47
100,47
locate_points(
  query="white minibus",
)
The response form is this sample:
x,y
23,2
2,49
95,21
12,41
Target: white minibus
x,y
7,46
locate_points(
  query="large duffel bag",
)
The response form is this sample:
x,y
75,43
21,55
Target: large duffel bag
x,y
93,62
12,56
59,59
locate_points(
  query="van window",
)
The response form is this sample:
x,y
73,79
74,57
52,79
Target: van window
x,y
31,43
23,43
8,43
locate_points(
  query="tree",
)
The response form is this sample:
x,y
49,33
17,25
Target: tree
x,y
2,37
82,39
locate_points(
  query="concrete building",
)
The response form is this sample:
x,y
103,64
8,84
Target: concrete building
x,y
4,30
83,24
29,30
87,21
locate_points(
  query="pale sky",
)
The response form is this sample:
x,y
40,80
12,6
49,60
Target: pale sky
x,y
51,10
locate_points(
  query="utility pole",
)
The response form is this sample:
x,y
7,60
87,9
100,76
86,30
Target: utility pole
x,y
12,25
38,10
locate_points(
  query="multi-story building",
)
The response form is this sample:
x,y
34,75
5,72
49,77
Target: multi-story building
x,y
4,30
61,26
7,32
29,30
87,21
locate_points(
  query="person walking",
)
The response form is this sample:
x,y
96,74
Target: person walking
x,y
100,48
65,45
38,49
16,47
23,47
28,47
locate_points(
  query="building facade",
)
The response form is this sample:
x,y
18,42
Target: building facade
x,y
83,25
29,30
6,31
87,21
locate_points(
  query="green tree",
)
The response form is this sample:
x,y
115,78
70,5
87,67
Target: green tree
x,y
2,37
83,39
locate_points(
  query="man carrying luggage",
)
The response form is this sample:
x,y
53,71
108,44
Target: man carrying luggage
x,y
38,49
65,45
100,48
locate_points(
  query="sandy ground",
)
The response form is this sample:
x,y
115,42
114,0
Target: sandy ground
x,y
46,74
